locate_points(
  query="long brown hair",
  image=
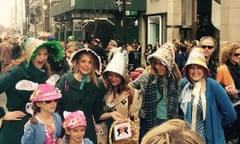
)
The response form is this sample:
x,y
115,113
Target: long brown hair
x,y
23,58
175,71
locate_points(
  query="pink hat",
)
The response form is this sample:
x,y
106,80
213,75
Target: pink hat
x,y
45,92
74,119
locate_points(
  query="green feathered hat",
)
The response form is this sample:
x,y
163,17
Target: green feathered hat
x,y
32,45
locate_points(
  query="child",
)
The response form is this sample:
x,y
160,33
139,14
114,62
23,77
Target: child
x,y
45,125
75,125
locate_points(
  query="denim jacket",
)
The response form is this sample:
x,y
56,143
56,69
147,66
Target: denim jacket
x,y
36,133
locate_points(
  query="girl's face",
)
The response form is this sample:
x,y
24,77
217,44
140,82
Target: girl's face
x,y
235,58
85,64
195,72
48,106
76,134
41,58
115,79
160,68
69,52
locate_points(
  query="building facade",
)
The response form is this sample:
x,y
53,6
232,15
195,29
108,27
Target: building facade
x,y
87,19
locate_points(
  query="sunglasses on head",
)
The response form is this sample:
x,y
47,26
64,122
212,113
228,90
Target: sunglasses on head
x,y
50,101
207,46
237,54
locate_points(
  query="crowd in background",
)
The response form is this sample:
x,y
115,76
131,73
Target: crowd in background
x,y
178,80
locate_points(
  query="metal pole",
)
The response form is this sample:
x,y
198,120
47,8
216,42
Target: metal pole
x,y
124,23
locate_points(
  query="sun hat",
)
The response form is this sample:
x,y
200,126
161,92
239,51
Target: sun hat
x,y
196,57
32,45
97,58
74,119
166,54
45,92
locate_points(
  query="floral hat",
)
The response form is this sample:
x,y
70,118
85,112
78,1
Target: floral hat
x,y
45,92
166,54
32,45
74,119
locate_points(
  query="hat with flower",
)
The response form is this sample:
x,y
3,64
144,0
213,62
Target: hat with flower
x,y
166,54
41,92
32,45
74,119
45,92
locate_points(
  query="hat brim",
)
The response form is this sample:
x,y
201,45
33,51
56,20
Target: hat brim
x,y
54,49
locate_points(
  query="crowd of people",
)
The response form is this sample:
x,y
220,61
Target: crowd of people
x,y
79,93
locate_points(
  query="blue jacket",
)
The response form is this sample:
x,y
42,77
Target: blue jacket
x,y
219,112
35,133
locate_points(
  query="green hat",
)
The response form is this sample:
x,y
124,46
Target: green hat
x,y
54,48
71,38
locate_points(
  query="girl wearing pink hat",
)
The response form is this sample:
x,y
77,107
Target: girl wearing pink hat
x,y
31,65
75,125
44,127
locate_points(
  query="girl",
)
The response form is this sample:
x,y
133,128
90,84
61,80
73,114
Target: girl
x,y
204,103
120,97
32,65
45,125
75,125
159,86
82,90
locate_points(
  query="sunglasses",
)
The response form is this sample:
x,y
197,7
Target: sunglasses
x,y
50,101
207,46
237,54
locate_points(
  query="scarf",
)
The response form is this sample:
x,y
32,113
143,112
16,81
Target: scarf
x,y
197,90
84,81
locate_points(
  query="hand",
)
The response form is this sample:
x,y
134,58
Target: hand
x,y
231,90
117,116
14,115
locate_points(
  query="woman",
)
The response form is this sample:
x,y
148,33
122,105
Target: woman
x,y
204,102
82,90
31,66
174,131
120,97
159,86
228,74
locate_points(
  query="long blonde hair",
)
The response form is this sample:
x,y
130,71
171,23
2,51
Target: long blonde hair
x,y
175,71
92,76
174,131
227,51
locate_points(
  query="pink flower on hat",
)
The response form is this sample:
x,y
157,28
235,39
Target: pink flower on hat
x,y
74,119
45,92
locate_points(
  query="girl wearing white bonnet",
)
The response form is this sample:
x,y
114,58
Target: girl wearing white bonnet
x,y
204,102
159,86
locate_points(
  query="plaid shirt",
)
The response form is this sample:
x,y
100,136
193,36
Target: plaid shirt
x,y
148,85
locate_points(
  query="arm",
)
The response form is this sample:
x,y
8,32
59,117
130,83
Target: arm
x,y
224,104
28,135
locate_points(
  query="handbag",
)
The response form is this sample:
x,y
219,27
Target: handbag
x,y
125,132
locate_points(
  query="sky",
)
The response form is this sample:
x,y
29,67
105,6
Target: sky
x,y
5,11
